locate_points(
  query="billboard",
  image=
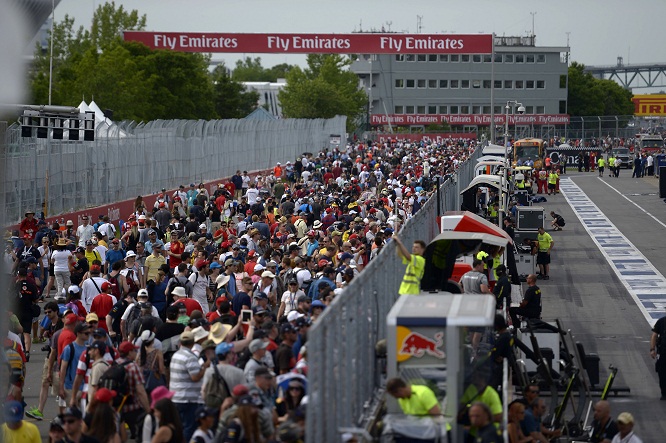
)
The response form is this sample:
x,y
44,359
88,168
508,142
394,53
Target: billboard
x,y
468,119
361,43
650,105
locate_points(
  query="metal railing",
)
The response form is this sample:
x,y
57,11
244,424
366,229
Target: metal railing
x,y
343,371
137,159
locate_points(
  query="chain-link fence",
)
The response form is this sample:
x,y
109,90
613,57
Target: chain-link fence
x,y
136,159
343,371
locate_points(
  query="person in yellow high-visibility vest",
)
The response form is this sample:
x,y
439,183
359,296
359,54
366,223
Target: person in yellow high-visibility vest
x,y
411,281
611,165
552,181
601,163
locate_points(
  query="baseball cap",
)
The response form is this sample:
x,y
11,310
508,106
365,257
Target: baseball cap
x,y
126,347
201,263
106,286
257,344
142,293
286,328
261,295
13,411
80,250
304,298
625,418
215,265
268,274
101,346
73,412
99,332
81,327
293,315
223,348
187,336
259,267
203,412
202,226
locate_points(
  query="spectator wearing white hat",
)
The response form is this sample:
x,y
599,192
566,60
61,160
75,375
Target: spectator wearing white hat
x,y
625,424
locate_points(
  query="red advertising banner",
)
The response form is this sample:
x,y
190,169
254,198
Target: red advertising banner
x,y
315,43
435,137
468,119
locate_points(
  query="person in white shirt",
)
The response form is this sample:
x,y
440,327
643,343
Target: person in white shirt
x,y
85,231
252,194
91,286
201,284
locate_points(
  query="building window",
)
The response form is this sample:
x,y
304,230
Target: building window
x,y
541,84
529,84
443,109
498,58
399,83
432,109
476,109
508,58
476,84
410,83
520,58
486,109
541,58
541,109
444,58
421,57
410,57
400,57
464,58
464,84
529,58
486,84
399,110
508,84
519,84
421,83
409,109
563,81
476,58
464,109
487,58
432,84
454,110
420,109
455,58
454,84
529,109
432,57
498,84
498,110
443,84
563,106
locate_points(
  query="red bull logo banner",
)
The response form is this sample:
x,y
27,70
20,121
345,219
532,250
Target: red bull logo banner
x,y
412,344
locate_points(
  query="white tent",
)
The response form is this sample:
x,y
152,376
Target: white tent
x,y
105,127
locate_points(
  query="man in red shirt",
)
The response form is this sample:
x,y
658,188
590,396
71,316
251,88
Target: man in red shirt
x,y
29,225
103,303
175,251
67,335
180,297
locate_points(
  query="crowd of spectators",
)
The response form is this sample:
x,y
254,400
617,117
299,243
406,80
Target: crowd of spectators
x,y
205,296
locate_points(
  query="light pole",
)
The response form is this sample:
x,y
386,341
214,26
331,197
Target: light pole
x,y
507,108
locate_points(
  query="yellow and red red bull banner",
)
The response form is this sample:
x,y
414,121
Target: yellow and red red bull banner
x,y
650,105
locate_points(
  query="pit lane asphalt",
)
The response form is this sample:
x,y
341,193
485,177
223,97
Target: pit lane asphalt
x,y
587,296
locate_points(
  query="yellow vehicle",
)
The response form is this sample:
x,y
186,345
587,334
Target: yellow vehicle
x,y
528,150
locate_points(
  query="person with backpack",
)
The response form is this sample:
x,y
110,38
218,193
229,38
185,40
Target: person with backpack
x,y
68,363
133,312
125,377
132,272
118,281
113,255
180,279
103,303
92,285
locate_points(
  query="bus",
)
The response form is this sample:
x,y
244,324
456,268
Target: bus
x,y
528,150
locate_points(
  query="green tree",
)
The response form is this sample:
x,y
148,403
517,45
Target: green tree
x,y
133,80
231,100
251,70
588,95
325,89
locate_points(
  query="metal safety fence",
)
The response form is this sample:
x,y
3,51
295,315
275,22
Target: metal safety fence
x,y
131,159
343,372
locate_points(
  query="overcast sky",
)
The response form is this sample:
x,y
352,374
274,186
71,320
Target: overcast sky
x,y
600,30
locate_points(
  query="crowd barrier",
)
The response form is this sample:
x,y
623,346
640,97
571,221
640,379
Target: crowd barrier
x,y
343,372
